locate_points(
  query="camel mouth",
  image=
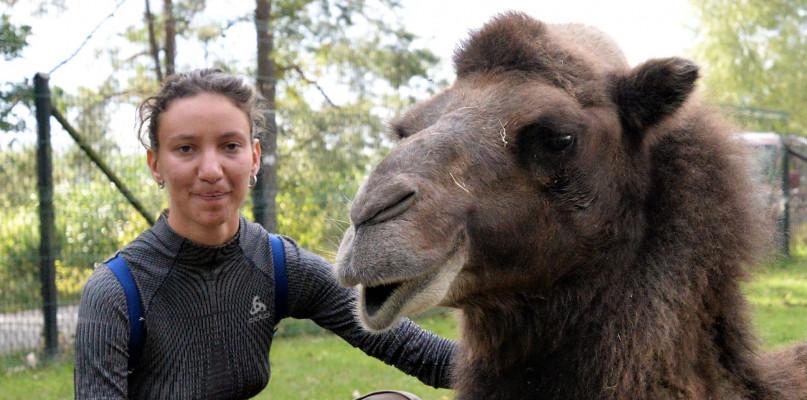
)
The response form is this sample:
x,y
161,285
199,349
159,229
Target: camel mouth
x,y
376,296
381,305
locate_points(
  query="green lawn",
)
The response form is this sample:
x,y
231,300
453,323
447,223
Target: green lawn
x,y
325,367
310,365
778,299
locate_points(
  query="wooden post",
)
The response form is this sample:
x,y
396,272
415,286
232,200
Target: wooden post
x,y
47,252
786,193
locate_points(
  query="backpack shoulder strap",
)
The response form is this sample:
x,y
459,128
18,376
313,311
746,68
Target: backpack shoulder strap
x,y
281,283
121,271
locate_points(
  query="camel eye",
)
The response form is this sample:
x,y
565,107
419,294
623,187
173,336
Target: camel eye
x,y
548,135
557,142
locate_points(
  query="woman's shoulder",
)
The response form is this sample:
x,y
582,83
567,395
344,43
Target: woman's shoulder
x,y
102,286
255,237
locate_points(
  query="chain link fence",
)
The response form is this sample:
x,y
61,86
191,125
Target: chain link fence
x,y
322,158
781,162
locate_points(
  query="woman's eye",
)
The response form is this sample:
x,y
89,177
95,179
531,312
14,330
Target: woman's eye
x,y
232,146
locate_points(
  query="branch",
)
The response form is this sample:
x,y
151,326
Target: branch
x,y
312,82
230,24
95,158
155,52
170,37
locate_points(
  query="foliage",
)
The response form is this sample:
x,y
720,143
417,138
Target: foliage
x,y
13,95
330,134
12,40
19,227
19,257
92,220
325,142
323,158
753,52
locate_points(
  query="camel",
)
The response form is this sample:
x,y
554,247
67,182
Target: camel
x,y
591,221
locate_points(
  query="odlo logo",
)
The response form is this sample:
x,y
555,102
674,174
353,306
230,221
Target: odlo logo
x,y
258,310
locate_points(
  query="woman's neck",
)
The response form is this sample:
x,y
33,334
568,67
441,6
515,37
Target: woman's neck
x,y
206,235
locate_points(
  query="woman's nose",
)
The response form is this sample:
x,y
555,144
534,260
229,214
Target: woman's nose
x,y
210,167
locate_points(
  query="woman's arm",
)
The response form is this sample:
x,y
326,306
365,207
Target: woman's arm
x,y
315,294
102,339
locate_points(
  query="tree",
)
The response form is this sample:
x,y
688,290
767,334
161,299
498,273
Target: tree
x,y
265,191
299,45
300,42
332,65
753,54
12,40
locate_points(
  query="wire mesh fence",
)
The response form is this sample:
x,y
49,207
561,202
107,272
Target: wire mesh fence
x,y
322,158
781,162
91,220
795,214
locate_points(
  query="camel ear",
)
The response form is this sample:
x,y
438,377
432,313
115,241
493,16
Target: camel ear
x,y
653,91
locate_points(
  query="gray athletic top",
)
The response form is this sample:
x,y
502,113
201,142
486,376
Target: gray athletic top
x,y
209,319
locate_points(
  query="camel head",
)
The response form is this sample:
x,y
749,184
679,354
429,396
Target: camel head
x,y
529,170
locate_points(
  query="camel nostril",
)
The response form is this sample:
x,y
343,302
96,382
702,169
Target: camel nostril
x,y
391,210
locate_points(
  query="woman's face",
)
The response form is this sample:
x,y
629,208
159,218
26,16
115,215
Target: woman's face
x,y
206,156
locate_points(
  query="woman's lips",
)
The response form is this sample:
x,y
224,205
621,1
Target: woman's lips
x,y
212,196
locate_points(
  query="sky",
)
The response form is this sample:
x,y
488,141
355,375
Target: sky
x,y
643,28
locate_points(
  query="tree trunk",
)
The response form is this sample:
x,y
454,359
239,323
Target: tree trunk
x,y
155,51
170,37
264,192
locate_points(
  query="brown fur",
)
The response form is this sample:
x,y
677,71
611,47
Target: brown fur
x,y
605,266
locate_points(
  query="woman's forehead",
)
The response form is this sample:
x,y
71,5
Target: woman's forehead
x,y
203,115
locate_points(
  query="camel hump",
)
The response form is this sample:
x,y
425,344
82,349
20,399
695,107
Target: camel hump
x,y
516,41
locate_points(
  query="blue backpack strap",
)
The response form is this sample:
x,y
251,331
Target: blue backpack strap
x,y
121,271
281,283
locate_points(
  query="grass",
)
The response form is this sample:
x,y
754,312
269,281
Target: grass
x,y
308,364
325,367
778,297
53,381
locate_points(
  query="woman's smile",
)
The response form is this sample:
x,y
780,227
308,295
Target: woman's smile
x,y
212,196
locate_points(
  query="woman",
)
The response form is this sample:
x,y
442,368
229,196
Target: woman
x,y
202,268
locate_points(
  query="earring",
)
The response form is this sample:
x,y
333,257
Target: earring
x,y
253,180
161,184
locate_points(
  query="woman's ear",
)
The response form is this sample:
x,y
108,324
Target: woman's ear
x,y
256,156
151,158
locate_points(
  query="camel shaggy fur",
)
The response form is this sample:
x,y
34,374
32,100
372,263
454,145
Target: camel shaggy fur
x,y
591,221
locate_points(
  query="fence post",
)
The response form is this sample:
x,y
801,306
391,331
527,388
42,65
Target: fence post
x,y
47,256
786,193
